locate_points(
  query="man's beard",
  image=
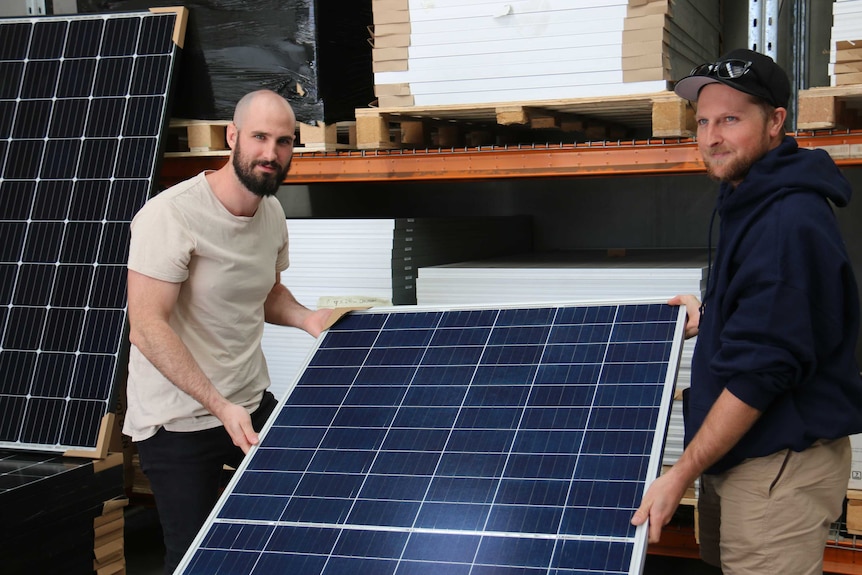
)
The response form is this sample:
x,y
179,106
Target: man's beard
x,y
733,172
263,184
737,167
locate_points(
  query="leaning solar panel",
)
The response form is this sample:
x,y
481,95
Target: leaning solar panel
x,y
82,106
461,441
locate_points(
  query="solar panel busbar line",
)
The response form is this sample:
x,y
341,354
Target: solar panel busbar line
x,y
83,103
472,440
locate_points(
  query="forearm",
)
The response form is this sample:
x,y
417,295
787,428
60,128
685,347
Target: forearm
x,y
726,423
160,344
281,308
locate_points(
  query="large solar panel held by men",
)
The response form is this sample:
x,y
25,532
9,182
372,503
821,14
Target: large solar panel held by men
x,y
458,441
83,102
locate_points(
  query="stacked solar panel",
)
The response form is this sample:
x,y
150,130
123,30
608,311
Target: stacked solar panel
x,y
82,105
83,101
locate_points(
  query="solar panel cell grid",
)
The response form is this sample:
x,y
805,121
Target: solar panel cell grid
x,y
459,441
82,105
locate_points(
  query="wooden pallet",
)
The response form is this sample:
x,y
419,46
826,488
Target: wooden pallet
x,y
829,108
208,137
326,137
140,485
658,115
197,137
854,512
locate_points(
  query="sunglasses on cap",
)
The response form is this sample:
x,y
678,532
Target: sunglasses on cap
x,y
744,70
727,69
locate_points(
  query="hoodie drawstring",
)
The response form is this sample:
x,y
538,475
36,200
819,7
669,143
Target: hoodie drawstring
x,y
709,287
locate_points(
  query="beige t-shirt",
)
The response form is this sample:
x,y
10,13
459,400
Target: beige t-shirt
x,y
227,265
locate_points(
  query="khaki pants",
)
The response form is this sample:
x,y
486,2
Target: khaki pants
x,y
772,514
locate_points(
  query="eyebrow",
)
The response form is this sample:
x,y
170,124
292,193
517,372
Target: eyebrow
x,y
289,137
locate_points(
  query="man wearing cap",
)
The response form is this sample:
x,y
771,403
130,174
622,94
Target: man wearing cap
x,y
775,386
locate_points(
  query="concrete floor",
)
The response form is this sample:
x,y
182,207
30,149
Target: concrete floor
x,y
144,549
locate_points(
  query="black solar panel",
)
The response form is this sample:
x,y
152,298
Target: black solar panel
x,y
49,504
505,441
83,100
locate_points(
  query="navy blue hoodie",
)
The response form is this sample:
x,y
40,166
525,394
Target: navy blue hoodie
x,y
781,311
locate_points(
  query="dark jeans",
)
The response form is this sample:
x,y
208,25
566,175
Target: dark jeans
x,y
185,472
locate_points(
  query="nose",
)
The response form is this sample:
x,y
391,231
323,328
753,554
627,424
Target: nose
x,y
709,134
269,151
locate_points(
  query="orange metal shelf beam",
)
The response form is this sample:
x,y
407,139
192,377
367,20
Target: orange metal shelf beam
x,y
648,157
842,558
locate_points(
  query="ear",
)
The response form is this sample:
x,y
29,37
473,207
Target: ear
x,y
776,121
231,133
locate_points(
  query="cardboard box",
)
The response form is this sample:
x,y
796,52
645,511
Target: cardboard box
x,y
855,481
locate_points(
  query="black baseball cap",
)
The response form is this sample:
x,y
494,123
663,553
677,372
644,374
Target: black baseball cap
x,y
744,70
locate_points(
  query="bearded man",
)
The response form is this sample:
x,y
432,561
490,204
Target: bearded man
x,y
775,386
204,265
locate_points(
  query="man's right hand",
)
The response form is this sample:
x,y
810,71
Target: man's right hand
x,y
237,422
692,308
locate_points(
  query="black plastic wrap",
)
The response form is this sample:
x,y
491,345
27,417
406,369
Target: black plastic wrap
x,y
320,61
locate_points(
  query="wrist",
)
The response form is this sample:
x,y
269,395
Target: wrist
x,y
683,474
217,404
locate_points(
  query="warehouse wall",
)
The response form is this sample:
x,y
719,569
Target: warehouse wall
x,y
575,213
630,212
627,212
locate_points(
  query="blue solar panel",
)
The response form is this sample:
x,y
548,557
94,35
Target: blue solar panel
x,y
83,100
417,441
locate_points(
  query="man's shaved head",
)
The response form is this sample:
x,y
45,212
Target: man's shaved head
x,y
263,98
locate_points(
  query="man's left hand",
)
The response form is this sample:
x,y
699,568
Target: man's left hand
x,y
315,322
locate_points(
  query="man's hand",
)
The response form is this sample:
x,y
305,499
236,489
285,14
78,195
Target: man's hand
x,y
692,308
281,308
727,422
659,504
314,323
237,422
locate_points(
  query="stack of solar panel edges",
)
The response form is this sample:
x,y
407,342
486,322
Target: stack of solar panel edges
x,y
474,51
345,259
577,275
845,58
50,504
